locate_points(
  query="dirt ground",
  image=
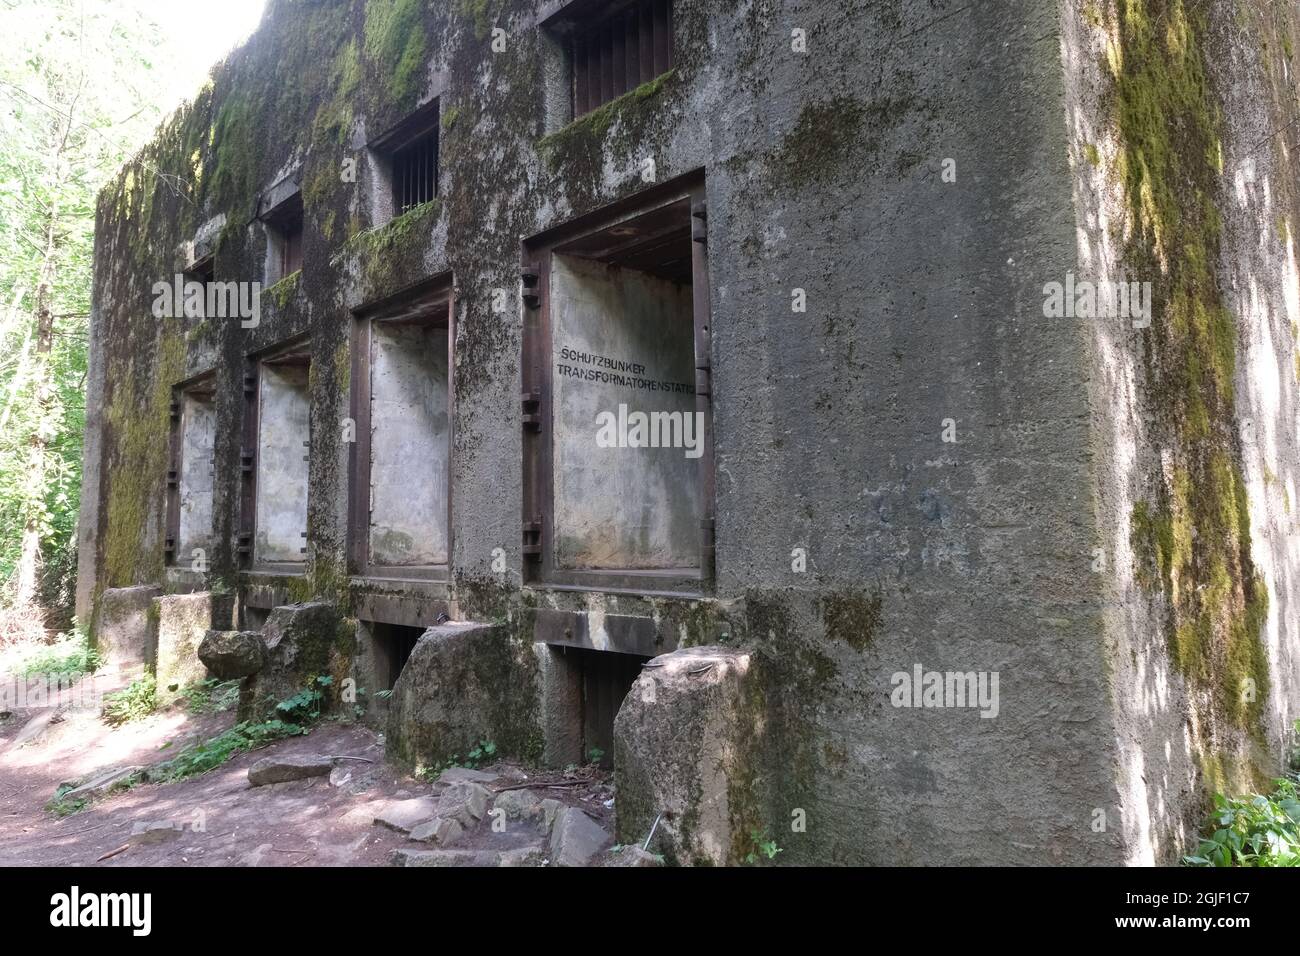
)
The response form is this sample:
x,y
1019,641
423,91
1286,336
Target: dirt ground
x,y
225,821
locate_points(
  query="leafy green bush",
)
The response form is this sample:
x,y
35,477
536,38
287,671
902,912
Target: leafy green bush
x,y
209,696
137,701
305,705
212,753
1255,830
72,653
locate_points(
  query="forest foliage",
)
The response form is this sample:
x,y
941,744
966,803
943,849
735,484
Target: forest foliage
x,y
81,85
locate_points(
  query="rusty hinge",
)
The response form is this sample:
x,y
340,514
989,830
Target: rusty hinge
x,y
172,479
530,288
169,545
175,410
700,221
246,462
244,543
533,538
532,407
250,384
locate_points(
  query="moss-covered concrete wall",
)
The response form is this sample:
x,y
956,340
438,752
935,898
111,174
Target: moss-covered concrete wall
x,y
1182,121
909,471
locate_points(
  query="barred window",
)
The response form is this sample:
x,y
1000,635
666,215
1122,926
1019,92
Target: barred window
x,y
620,51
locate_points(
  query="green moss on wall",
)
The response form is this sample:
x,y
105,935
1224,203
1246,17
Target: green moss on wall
x,y
133,520
395,45
1193,539
585,137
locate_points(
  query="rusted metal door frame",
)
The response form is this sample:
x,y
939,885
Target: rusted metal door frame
x,y
537,401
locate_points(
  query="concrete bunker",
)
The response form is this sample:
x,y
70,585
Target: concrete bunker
x,y
283,428
616,398
401,400
190,477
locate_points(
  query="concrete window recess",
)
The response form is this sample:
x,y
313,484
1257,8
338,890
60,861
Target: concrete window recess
x,y
404,161
190,478
402,398
625,428
611,52
283,443
281,212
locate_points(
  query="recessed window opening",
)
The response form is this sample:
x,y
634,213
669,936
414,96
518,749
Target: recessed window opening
x,y
283,452
190,479
405,163
285,232
605,677
415,173
618,52
623,340
401,405
617,417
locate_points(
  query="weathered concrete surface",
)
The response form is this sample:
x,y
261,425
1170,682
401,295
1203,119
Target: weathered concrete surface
x,y
682,747
125,632
1176,736
303,642
232,655
409,438
283,431
464,684
198,437
622,507
183,622
561,707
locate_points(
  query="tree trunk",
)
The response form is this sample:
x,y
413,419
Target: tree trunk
x,y
26,574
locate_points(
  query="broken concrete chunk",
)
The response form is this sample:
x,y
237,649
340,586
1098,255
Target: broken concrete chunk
x,y
576,838
303,642
681,735
440,830
145,832
404,815
289,767
125,631
464,683
521,856
550,809
465,802
35,727
519,804
230,655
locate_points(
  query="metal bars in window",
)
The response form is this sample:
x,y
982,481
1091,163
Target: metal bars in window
x,y
415,173
621,52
